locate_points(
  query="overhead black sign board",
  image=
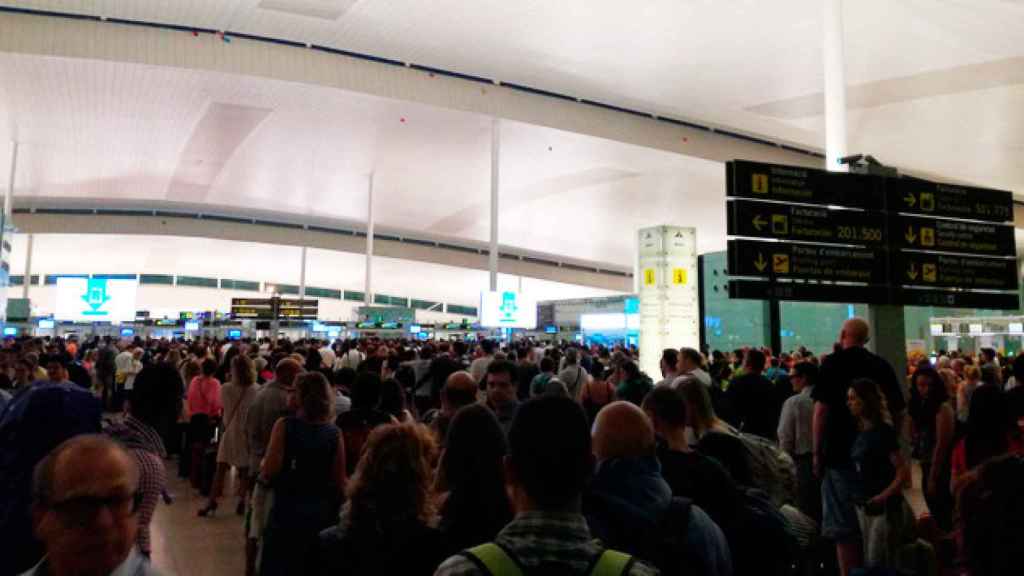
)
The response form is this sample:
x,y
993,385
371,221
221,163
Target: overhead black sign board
x,y
942,235
287,303
806,261
958,299
804,223
968,272
883,239
767,290
252,312
762,181
914,196
251,302
269,308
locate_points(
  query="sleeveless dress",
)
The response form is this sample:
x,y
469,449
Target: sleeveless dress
x,y
234,445
305,498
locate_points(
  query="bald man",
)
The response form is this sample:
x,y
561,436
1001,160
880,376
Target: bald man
x,y
629,504
459,390
84,510
835,430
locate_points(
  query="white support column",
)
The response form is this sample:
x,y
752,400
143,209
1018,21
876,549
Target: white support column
x,y
28,267
5,219
5,223
368,292
302,276
835,86
495,180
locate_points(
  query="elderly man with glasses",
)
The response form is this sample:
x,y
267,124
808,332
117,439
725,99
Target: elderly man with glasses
x,y
85,499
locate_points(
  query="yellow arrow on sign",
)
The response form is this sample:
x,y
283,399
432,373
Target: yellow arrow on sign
x,y
912,271
910,199
760,263
910,236
759,223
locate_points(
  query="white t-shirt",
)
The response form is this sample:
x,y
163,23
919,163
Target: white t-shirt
x,y
350,359
327,357
478,369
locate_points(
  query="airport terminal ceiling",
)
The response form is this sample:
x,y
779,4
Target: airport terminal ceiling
x,y
934,87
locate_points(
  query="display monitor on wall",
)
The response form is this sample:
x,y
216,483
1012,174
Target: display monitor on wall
x,y
10,331
192,325
96,300
46,323
507,309
234,334
127,332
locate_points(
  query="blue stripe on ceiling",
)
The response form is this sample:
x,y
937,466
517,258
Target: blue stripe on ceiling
x,y
392,62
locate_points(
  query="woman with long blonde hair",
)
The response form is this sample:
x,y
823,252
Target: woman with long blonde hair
x,y
237,397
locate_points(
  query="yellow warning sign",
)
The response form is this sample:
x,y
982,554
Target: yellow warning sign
x,y
927,236
928,272
927,202
780,263
649,277
679,276
759,183
780,224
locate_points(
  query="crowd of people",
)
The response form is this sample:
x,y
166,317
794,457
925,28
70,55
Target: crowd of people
x,y
451,458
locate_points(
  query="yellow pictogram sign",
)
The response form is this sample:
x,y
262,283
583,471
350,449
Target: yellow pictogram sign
x,y
679,276
927,236
649,277
928,272
759,183
780,263
780,224
927,202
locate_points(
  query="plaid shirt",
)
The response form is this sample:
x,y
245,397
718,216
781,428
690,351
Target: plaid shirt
x,y
146,447
535,538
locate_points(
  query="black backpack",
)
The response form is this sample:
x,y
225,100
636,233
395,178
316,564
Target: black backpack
x,y
661,543
761,541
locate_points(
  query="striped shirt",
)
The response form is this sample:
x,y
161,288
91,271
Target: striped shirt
x,y
542,538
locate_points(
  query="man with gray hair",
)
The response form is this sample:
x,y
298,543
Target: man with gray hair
x,y
691,363
85,499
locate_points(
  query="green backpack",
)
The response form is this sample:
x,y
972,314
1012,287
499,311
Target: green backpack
x,y
493,560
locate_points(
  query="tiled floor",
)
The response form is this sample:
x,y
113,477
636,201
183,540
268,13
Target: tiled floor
x,y
186,545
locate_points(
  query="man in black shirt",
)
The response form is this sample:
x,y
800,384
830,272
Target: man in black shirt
x,y
753,398
835,430
526,371
689,473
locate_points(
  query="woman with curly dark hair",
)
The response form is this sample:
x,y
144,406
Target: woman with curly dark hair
x,y
388,524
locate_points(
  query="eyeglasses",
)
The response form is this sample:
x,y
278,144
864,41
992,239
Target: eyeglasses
x,y
82,511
